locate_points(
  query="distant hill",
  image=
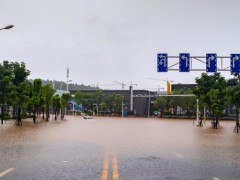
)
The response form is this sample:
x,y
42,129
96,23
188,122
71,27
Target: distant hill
x,y
61,85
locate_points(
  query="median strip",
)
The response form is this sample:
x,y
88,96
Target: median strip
x,y
115,175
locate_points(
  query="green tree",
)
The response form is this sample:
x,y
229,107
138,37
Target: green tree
x,y
36,98
103,107
98,97
185,103
64,101
160,104
21,88
118,100
233,92
5,85
56,102
78,97
88,101
208,89
109,100
48,93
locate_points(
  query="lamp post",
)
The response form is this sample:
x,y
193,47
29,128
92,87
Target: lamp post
x,y
68,81
7,27
149,103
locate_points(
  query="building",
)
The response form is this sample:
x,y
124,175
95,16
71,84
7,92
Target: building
x,y
138,103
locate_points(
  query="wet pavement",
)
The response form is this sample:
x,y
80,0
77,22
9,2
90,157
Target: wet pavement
x,y
118,148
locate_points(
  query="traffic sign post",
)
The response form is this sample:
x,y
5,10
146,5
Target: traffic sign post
x,y
184,62
211,62
235,58
162,62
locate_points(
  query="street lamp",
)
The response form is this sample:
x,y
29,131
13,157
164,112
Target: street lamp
x,y
68,81
7,27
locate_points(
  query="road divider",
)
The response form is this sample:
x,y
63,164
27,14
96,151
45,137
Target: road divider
x,y
105,172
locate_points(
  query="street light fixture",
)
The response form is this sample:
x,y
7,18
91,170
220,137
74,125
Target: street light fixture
x,y
7,27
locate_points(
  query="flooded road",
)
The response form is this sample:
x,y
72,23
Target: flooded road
x,y
107,148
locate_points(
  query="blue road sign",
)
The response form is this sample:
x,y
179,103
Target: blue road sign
x,y
235,59
162,62
211,62
184,62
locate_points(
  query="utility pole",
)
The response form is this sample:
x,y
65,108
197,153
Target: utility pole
x,y
67,77
131,95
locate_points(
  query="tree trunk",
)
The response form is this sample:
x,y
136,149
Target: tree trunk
x,y
47,114
34,115
2,115
237,119
55,112
62,113
43,113
19,119
216,125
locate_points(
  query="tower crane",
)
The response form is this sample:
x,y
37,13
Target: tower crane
x,y
122,84
168,84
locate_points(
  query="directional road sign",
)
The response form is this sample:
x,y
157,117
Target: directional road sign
x,y
184,62
162,62
211,62
235,59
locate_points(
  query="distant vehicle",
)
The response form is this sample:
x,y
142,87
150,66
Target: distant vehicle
x,y
87,117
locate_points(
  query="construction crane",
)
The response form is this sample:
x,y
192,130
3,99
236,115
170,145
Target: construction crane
x,y
122,84
168,84
131,84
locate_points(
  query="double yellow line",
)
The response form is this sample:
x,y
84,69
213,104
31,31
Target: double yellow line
x,y
106,166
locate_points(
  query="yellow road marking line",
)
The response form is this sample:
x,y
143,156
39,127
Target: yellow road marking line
x,y
115,166
6,172
105,168
178,155
215,178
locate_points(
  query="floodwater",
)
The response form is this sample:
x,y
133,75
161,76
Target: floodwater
x,y
109,148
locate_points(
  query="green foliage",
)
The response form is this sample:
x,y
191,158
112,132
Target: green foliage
x,y
98,97
78,97
5,85
63,86
215,99
64,100
185,102
48,93
160,103
118,100
88,101
211,91
56,102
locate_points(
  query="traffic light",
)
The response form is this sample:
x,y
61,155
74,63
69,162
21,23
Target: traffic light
x,y
168,88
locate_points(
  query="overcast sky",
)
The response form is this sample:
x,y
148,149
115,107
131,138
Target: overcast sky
x,y
115,40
